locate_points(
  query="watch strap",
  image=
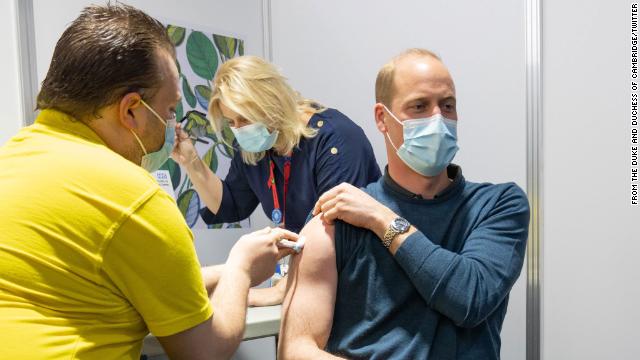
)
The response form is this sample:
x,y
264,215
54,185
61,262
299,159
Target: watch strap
x,y
392,231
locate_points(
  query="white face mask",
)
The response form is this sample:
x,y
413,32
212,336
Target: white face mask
x,y
430,144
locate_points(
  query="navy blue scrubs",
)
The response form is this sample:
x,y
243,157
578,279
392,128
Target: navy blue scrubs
x,y
340,152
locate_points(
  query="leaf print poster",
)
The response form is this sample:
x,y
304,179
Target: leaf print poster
x,y
199,53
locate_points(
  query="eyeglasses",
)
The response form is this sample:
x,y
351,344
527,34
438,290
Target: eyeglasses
x,y
196,137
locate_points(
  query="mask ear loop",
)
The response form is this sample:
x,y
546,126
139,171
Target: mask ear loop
x,y
136,136
391,141
392,115
224,141
164,122
387,132
157,116
230,145
139,142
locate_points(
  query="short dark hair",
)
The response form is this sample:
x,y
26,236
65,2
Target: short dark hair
x,y
106,52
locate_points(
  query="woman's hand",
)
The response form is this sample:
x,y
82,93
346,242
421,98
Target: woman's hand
x,y
184,152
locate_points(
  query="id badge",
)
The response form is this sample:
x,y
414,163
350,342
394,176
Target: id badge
x,y
276,217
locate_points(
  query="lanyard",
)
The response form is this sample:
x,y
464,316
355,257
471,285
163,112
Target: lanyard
x,y
277,216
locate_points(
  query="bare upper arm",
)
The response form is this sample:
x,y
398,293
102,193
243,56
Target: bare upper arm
x,y
194,343
218,336
307,310
201,342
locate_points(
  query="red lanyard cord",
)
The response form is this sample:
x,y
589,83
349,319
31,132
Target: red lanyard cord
x,y
287,173
271,183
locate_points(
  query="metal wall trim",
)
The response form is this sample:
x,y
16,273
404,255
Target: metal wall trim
x,y
27,59
534,174
267,49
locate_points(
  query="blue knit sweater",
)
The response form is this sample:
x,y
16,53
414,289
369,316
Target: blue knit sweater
x,y
444,295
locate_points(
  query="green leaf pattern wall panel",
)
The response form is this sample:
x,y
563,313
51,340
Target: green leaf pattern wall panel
x,y
199,54
202,55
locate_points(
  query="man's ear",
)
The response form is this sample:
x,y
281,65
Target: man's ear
x,y
379,114
128,108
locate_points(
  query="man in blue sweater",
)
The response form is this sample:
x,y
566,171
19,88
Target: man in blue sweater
x,y
419,265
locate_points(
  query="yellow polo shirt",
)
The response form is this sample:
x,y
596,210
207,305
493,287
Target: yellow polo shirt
x,y
93,254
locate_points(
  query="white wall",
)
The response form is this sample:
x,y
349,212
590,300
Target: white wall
x,y
331,51
242,18
10,96
591,239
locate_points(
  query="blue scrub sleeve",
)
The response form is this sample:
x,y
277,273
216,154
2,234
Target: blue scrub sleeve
x,y
468,286
345,159
238,199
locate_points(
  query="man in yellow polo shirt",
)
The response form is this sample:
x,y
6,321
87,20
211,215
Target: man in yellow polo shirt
x,y
93,254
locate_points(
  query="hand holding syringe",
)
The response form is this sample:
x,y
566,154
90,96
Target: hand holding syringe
x,y
296,246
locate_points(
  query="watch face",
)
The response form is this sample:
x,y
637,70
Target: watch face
x,y
400,224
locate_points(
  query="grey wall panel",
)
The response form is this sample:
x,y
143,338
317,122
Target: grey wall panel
x,y
591,286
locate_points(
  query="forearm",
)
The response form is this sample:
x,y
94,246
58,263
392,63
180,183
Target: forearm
x,y
229,302
268,296
302,348
211,276
439,274
466,288
207,184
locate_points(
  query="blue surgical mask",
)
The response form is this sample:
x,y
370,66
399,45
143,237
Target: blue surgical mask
x,y
255,137
430,144
153,161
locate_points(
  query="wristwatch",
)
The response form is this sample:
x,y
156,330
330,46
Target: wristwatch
x,y
398,226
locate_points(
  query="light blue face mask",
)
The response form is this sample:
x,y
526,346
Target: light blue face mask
x,y
255,137
430,144
153,161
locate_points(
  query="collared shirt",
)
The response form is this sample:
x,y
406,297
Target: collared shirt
x,y
93,253
454,173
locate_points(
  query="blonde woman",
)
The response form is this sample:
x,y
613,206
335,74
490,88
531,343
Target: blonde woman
x,y
292,149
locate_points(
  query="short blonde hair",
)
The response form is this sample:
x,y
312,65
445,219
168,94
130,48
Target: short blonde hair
x,y
255,89
385,89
